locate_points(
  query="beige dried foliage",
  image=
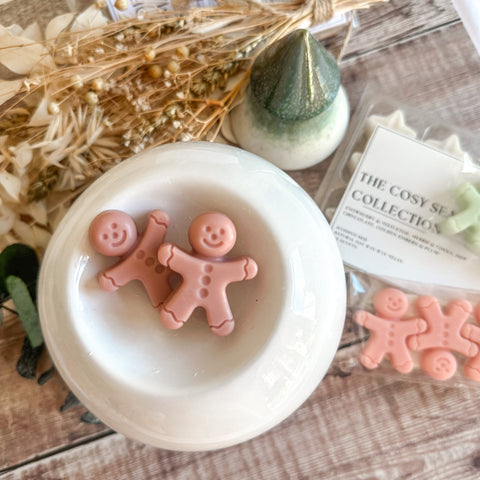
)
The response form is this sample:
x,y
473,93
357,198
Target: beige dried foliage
x,y
182,92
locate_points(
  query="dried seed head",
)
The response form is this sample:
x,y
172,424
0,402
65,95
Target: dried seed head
x,y
183,51
98,84
153,32
76,81
91,98
173,67
121,4
44,182
200,88
155,71
53,108
149,54
172,110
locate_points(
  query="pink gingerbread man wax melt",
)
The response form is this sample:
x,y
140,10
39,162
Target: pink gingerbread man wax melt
x,y
443,326
388,332
113,233
205,272
442,336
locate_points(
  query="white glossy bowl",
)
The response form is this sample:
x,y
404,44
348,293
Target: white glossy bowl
x,y
188,389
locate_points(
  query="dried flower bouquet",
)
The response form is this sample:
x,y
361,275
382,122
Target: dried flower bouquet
x,y
90,93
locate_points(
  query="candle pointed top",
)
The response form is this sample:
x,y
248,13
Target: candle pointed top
x,y
295,78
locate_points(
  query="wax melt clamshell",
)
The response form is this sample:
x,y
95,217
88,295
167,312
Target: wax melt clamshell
x,y
188,389
413,331
377,109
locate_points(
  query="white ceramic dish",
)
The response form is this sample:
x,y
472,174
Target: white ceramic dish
x,y
188,389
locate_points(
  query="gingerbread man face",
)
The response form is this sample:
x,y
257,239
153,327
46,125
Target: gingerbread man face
x,y
212,234
112,233
390,303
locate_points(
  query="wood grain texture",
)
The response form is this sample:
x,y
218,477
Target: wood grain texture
x,y
354,426
30,419
398,21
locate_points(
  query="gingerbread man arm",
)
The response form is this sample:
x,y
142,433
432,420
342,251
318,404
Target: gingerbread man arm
x,y
241,268
367,320
429,308
174,257
157,224
415,325
469,199
471,332
115,277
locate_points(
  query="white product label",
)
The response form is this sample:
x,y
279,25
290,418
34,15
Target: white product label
x,y
387,221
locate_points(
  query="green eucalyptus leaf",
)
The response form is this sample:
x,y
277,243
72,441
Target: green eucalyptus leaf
x,y
27,364
26,309
70,401
45,376
89,417
22,262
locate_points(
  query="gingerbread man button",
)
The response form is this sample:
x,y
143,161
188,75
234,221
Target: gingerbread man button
x,y
114,233
388,332
205,272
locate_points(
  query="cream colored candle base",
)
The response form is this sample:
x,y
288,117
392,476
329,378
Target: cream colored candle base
x,y
290,145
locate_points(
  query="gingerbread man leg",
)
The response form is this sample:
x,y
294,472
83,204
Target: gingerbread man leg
x,y
219,316
401,360
371,355
176,310
472,368
157,292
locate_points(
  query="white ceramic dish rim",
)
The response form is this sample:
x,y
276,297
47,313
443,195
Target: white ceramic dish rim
x,y
270,385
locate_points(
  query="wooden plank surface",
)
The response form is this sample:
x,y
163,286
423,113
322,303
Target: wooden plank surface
x,y
30,419
398,21
354,426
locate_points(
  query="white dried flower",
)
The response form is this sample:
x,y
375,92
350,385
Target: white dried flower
x,y
7,218
10,186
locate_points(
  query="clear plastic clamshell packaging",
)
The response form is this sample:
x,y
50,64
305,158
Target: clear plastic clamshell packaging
x,y
394,187
402,200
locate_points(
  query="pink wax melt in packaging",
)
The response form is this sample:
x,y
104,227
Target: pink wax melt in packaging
x,y
402,200
415,331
